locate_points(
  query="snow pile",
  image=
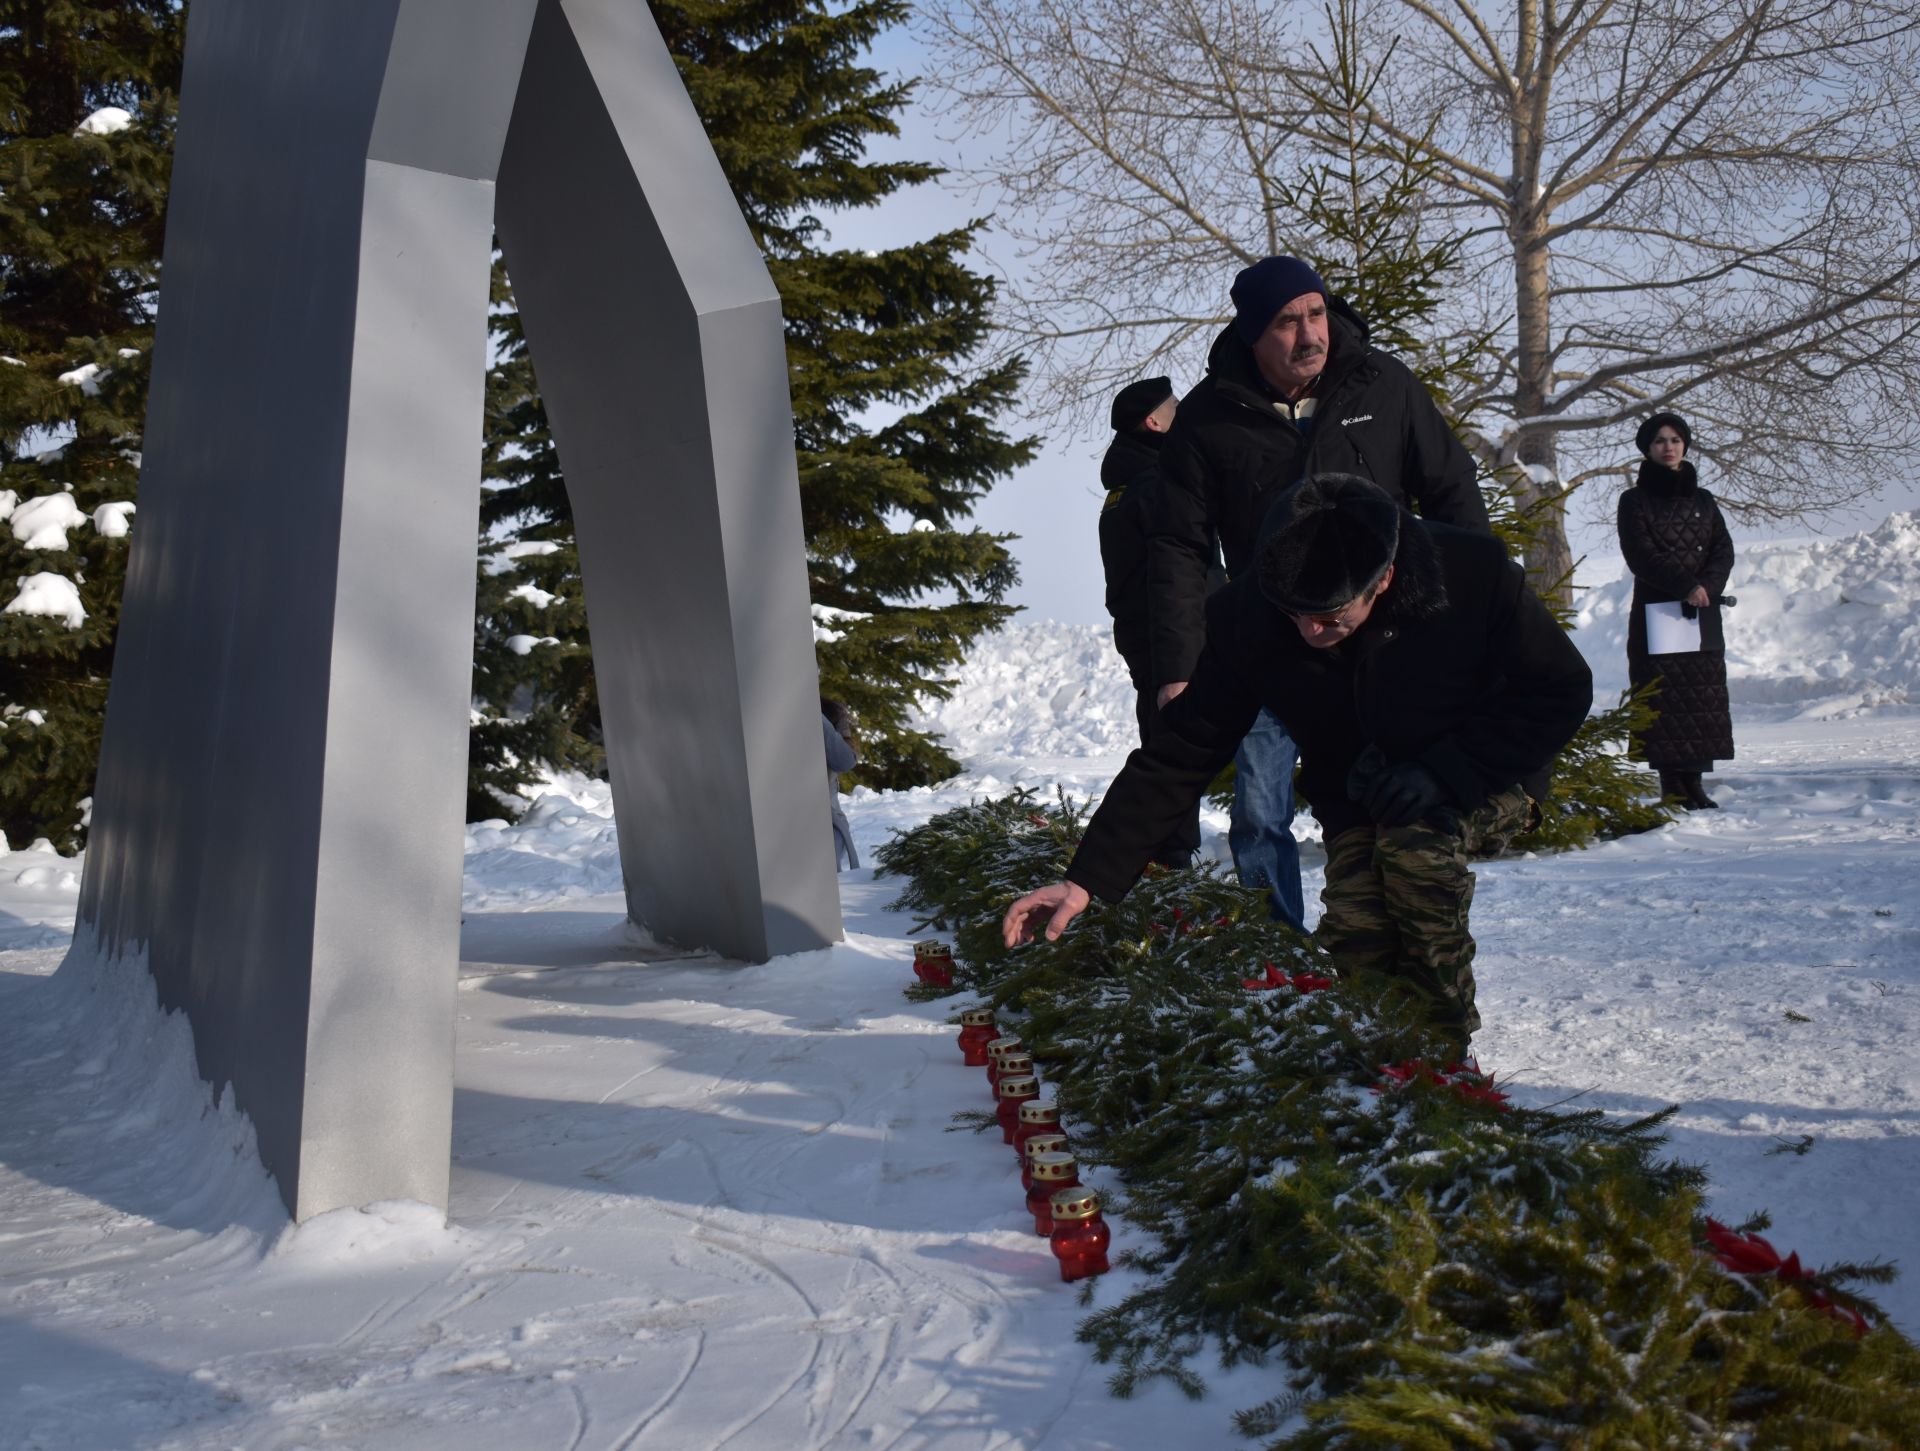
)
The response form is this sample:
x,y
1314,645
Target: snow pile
x,y
1038,690
86,378
45,593
110,520
105,122
389,1231
1822,627
118,1083
563,847
43,523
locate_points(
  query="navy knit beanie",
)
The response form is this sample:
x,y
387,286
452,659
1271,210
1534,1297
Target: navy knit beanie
x,y
1643,440
1325,541
1263,289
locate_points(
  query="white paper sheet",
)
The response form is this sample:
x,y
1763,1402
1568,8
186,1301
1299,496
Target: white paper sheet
x,y
1671,633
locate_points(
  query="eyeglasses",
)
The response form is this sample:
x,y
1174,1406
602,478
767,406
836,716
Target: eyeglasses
x,y
1338,617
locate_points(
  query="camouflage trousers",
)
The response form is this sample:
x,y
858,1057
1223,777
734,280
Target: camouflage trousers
x,y
1396,901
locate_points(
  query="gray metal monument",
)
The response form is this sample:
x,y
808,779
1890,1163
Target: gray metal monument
x,y
279,809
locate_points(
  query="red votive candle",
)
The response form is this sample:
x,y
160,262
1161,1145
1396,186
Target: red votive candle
x,y
1080,1236
1049,1142
1037,1116
1014,1091
1051,1174
1014,1063
976,1031
1005,1043
933,963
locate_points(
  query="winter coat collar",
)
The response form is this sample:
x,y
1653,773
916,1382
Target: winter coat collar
x,y
1231,366
1419,588
1668,483
1130,456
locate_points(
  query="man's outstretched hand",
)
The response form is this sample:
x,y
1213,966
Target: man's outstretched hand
x,y
1056,906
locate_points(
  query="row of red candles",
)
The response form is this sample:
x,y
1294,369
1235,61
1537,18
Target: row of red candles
x,y
1063,1209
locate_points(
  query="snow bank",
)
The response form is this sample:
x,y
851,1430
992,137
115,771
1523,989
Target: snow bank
x,y
1038,689
564,846
146,1132
1822,627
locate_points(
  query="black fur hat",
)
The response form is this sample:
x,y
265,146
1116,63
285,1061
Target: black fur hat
x,y
1643,440
1326,541
1133,403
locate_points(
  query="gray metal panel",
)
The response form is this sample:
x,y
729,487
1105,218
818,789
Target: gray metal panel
x,y
387,916
655,335
205,838
278,810
277,819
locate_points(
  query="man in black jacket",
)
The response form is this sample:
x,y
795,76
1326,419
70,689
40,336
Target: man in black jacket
x,y
1142,413
1293,387
1424,682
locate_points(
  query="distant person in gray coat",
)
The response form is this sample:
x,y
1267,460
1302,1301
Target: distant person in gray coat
x,y
836,725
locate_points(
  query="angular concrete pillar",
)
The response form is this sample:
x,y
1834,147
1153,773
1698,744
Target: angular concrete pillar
x,y
278,815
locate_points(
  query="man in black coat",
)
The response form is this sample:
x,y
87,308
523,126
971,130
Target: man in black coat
x,y
1293,387
1142,413
1424,682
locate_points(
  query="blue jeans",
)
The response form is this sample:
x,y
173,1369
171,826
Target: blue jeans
x,y
1261,834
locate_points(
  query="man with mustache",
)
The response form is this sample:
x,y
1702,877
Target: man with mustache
x,y
1293,387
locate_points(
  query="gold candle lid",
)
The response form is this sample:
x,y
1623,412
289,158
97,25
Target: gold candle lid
x,y
1050,1167
1048,1143
1040,1111
1024,1086
1005,1043
932,949
1073,1204
1016,1064
977,1018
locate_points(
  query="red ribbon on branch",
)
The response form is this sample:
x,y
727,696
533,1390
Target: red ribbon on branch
x,y
1751,1255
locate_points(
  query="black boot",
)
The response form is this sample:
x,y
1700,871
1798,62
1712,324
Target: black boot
x,y
1697,798
1673,788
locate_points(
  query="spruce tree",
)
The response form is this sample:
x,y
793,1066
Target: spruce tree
x,y
900,584
88,96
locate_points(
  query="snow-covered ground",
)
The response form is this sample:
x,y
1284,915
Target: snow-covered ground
x,y
698,1205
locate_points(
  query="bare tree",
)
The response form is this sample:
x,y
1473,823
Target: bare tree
x,y
1659,203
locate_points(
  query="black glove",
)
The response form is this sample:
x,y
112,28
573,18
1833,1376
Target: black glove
x,y
1366,770
1402,794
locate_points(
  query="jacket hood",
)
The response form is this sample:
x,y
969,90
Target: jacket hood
x,y
1349,341
1128,456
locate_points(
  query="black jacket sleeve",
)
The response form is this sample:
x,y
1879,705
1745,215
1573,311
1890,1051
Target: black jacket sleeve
x,y
1196,736
1717,568
1438,470
1179,551
1541,692
1647,556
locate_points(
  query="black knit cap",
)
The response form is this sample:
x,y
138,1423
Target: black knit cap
x,y
1133,403
1325,542
1643,440
1260,291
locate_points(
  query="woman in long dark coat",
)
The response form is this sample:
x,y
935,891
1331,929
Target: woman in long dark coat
x,y
1676,543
